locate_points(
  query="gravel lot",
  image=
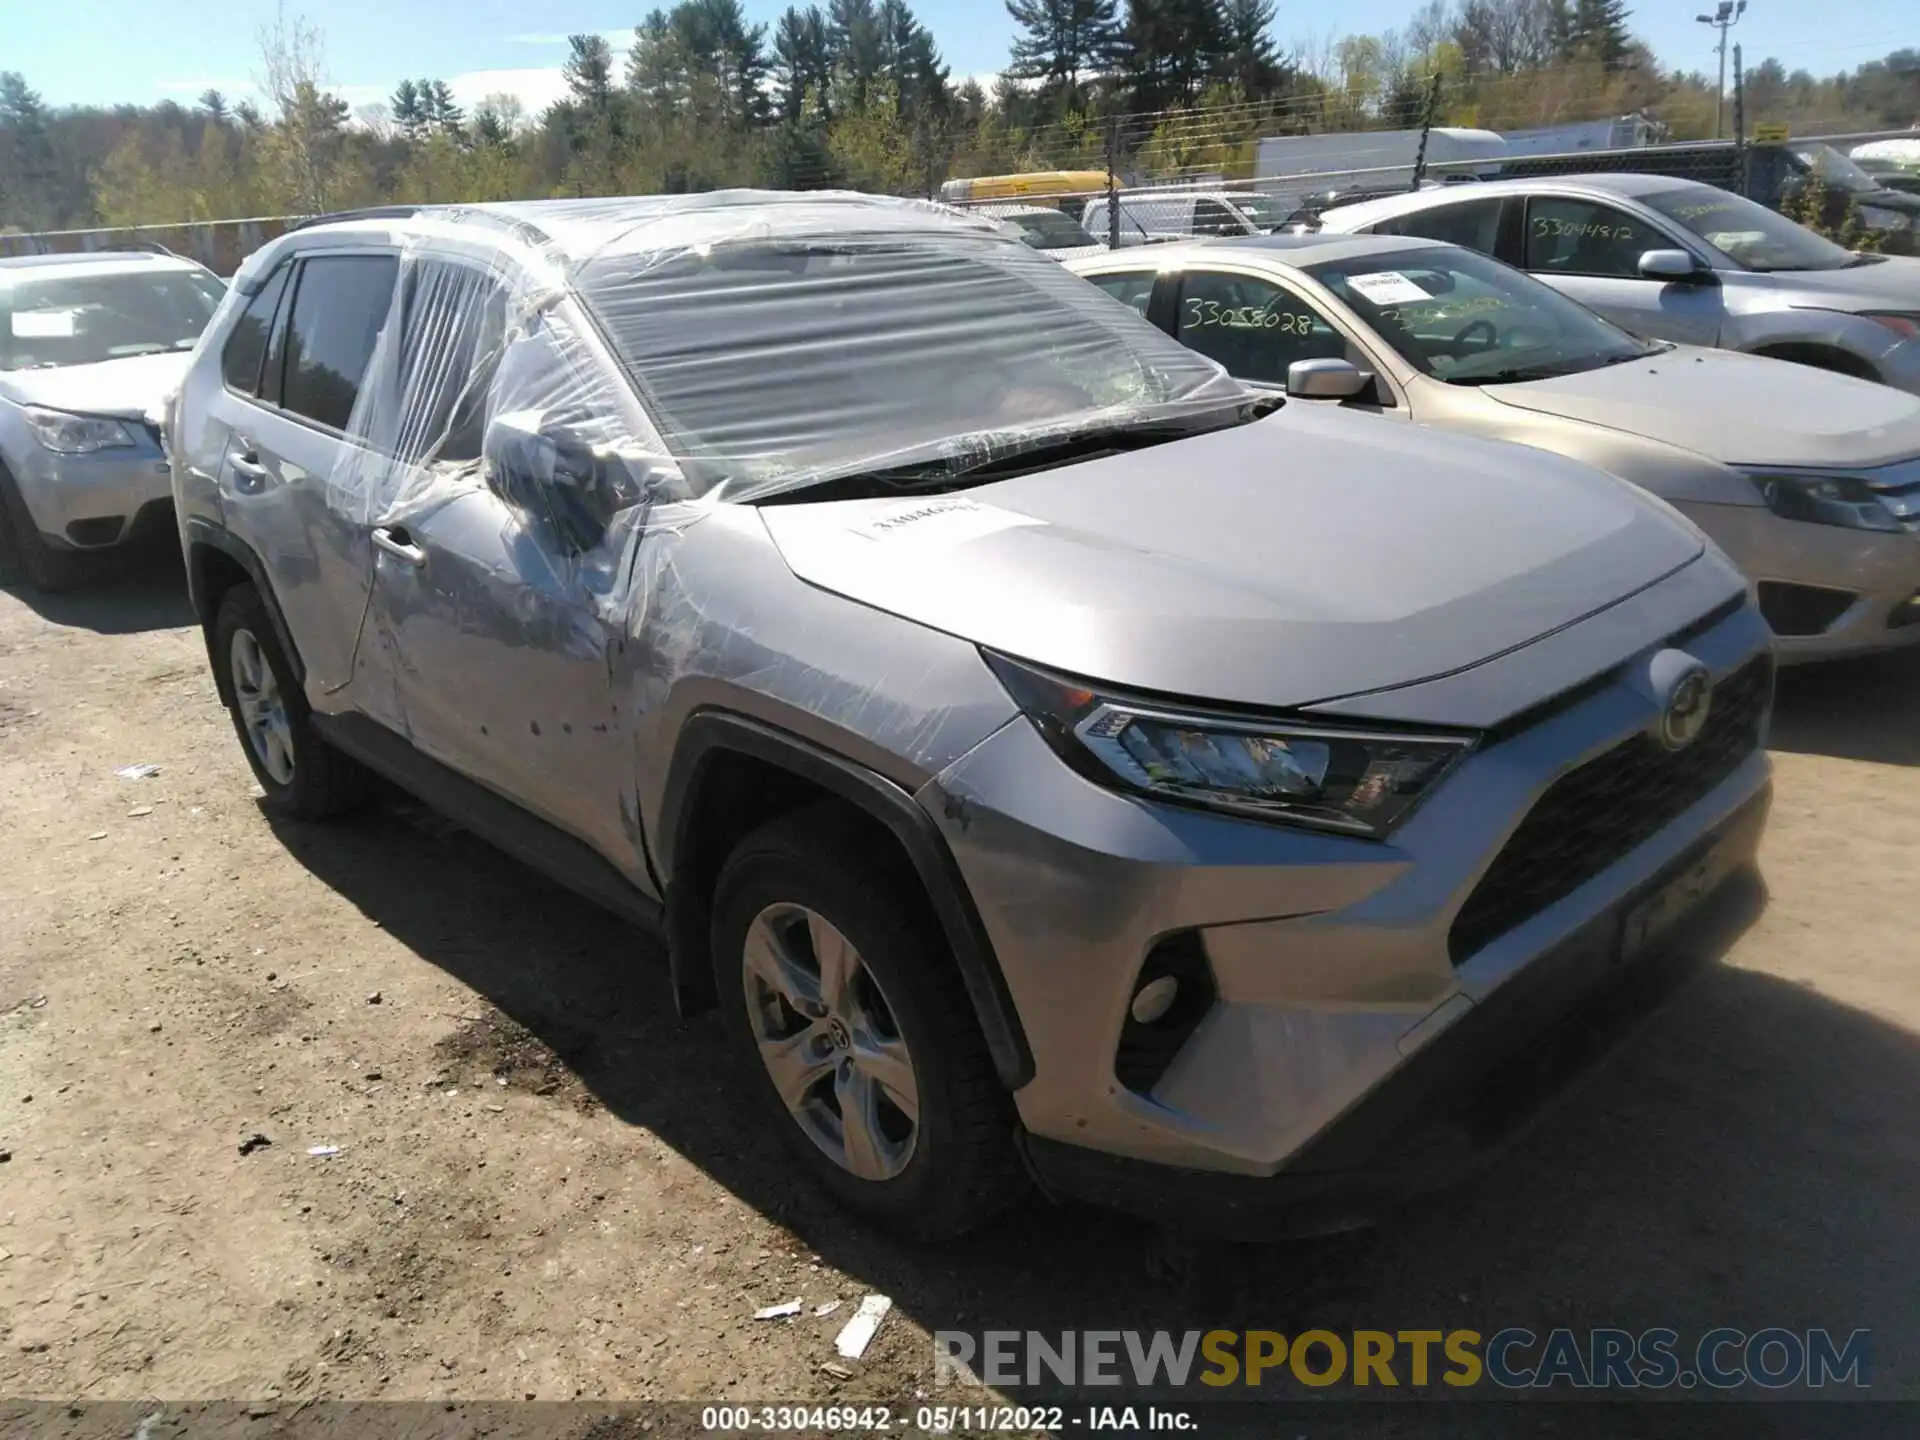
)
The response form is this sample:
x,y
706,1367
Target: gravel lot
x,y
546,1186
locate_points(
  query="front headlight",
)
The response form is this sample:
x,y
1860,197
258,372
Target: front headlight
x,y
1359,782
1826,500
66,434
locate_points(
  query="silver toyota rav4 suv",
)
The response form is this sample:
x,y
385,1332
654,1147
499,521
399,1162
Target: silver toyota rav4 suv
x,y
1050,767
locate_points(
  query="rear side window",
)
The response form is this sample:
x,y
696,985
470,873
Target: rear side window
x,y
339,307
1474,224
246,347
1210,217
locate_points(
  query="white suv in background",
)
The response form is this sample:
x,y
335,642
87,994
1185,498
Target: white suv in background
x,y
90,345
1148,216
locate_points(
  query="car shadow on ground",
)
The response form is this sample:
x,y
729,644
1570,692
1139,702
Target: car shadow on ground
x,y
1744,1159
1865,709
131,593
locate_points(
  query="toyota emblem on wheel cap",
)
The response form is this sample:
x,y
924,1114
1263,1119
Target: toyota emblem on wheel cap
x,y
1685,714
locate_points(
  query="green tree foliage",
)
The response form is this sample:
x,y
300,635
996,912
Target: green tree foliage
x,y
1062,42
856,92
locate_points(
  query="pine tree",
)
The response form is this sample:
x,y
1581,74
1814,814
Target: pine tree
x,y
409,109
802,59
589,72
1598,28
1061,41
446,116
1251,61
1168,48
855,31
215,104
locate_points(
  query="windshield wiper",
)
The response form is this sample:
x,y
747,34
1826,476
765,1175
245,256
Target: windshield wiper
x,y
1038,452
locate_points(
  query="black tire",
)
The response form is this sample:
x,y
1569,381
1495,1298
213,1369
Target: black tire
x,y
963,1168
25,556
324,782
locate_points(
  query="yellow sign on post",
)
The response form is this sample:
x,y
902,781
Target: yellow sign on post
x,y
1771,134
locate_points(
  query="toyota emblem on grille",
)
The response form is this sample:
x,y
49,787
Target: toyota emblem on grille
x,y
1685,713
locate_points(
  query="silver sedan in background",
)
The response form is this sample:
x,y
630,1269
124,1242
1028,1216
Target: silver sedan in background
x,y
1676,260
1809,480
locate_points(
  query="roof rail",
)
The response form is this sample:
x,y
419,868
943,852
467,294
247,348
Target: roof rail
x,y
370,212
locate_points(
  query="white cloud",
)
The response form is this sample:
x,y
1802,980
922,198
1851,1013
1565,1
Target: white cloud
x,y
619,39
535,87
228,88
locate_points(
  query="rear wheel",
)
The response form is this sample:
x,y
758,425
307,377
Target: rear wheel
x,y
842,996
302,775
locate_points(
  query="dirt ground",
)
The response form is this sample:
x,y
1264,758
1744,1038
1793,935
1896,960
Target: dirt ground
x,y
546,1186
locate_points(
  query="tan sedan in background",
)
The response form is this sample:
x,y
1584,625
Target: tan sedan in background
x,y
1808,479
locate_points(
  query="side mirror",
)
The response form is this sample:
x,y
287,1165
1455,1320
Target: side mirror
x,y
1326,380
1674,265
549,473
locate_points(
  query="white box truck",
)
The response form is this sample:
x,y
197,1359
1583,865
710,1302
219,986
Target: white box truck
x,y
1289,167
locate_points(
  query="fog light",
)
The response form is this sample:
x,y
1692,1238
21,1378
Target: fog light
x,y
1154,999
1906,613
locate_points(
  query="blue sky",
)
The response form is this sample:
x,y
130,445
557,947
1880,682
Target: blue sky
x,y
103,51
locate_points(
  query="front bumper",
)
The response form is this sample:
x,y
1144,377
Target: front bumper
x,y
1829,592
96,501
1465,1098
1333,963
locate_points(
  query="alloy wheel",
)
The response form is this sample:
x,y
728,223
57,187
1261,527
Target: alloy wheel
x,y
829,1041
263,709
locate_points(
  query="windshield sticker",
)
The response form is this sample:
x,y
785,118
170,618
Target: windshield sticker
x,y
1202,314
43,324
952,521
1388,287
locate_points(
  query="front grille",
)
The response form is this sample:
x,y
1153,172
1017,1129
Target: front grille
x,y
1593,816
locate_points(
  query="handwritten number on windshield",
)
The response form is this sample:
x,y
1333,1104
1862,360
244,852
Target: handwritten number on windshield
x,y
1202,314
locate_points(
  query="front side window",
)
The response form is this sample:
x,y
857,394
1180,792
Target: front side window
x,y
1253,327
770,362
1472,223
1468,319
47,324
246,347
1752,236
1262,213
1584,237
340,304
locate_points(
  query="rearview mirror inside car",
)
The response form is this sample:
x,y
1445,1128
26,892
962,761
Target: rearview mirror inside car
x,y
1326,380
1672,265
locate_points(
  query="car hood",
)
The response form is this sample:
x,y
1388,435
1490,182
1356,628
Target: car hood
x,y
1738,409
126,389
1892,282
1308,556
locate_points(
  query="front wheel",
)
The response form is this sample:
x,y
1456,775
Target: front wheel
x,y
302,775
25,556
843,998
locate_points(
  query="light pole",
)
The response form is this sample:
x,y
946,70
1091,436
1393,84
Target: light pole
x,y
1723,19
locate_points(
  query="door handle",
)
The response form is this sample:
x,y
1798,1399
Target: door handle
x,y
398,543
249,473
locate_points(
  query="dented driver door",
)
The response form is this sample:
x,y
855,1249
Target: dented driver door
x,y
493,629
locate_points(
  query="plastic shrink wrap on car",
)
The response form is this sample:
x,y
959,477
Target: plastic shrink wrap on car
x,y
614,369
